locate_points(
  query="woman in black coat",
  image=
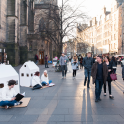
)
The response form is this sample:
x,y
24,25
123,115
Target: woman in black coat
x,y
114,64
109,65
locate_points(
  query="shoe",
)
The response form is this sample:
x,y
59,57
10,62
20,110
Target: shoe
x,y
6,107
88,87
47,67
96,100
104,94
20,102
111,97
84,84
62,77
99,99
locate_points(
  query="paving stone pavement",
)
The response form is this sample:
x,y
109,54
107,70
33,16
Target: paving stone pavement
x,y
69,102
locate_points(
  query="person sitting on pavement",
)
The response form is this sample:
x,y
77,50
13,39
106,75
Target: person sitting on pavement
x,y
99,73
44,79
7,95
36,81
74,63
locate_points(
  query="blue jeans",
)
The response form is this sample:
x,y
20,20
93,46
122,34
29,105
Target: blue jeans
x,y
87,73
8,103
46,64
98,88
64,70
44,83
36,62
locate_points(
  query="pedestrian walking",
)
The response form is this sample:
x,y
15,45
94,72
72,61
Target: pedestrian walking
x,y
74,63
109,64
46,62
36,59
87,63
63,63
94,59
114,64
36,81
99,74
81,63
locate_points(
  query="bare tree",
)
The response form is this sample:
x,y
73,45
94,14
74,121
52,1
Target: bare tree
x,y
59,23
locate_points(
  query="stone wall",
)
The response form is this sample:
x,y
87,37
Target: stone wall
x,y
3,11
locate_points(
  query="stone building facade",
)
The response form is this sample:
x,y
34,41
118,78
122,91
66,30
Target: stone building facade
x,y
105,33
21,33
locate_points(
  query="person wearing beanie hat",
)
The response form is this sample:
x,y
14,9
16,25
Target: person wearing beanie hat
x,y
44,79
99,73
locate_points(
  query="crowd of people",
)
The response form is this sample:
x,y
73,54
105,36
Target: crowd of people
x,y
99,68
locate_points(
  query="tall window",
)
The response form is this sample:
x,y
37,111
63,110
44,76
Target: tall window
x,y
114,36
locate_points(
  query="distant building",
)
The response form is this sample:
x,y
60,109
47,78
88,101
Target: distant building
x,y
105,34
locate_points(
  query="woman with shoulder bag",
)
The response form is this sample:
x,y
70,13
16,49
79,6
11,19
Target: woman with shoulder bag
x,y
109,64
74,63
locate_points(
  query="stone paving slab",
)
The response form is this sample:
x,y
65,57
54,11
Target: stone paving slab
x,y
51,118
78,118
107,118
38,123
21,118
5,117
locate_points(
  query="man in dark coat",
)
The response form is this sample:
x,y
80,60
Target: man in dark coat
x,y
87,63
99,74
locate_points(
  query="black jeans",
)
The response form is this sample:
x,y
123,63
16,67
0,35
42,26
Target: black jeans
x,y
74,73
37,86
109,87
46,64
64,70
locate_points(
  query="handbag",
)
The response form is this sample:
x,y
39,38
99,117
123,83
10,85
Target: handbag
x,y
77,68
113,76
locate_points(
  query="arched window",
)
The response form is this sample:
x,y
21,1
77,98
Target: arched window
x,y
42,25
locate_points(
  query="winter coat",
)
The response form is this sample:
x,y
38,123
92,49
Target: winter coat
x,y
88,62
74,66
114,63
62,59
94,72
109,67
